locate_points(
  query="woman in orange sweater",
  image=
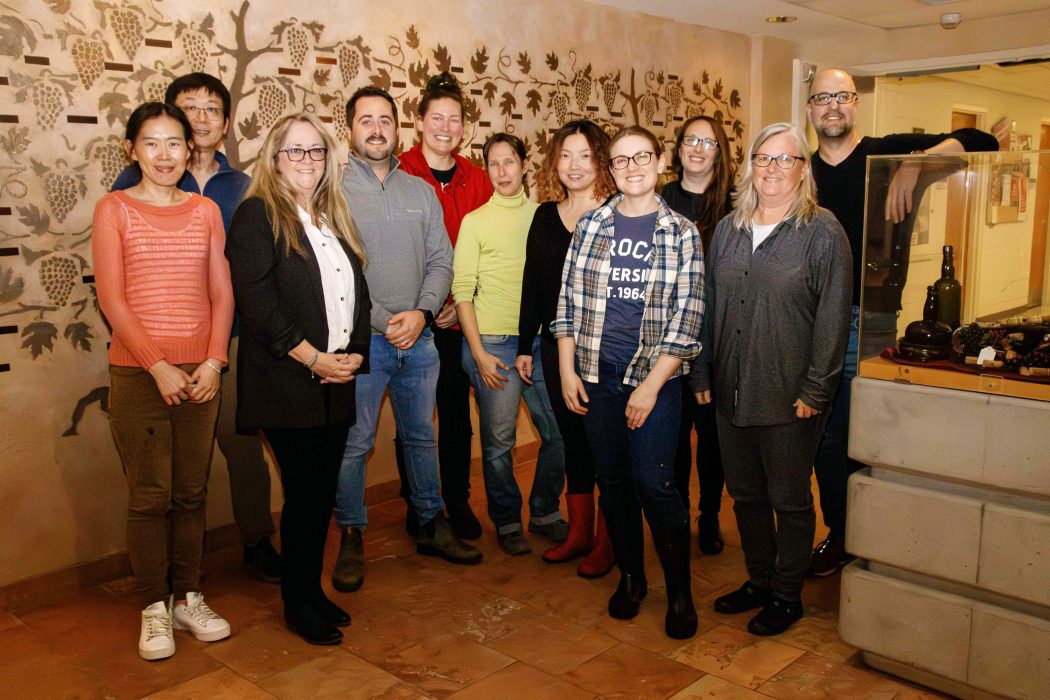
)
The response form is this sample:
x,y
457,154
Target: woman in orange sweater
x,y
164,286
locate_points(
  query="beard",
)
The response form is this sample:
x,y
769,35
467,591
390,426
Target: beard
x,y
835,128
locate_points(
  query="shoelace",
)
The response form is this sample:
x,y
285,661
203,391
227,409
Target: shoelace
x,y
158,626
201,613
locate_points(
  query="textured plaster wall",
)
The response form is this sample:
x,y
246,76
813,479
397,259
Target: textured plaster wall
x,y
72,70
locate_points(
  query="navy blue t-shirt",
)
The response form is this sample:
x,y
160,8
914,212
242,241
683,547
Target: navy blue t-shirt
x,y
631,252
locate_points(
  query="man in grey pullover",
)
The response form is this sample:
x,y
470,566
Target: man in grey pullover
x,y
409,273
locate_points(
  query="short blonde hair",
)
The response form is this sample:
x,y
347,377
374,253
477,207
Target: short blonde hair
x,y
329,203
745,200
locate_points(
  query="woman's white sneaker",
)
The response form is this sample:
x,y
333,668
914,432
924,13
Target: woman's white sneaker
x,y
198,618
155,638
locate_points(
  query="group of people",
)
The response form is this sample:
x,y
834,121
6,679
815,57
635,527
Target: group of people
x,y
624,318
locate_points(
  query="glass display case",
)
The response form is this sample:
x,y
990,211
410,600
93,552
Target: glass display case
x,y
958,293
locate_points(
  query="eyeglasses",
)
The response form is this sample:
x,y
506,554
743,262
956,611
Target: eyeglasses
x,y
694,141
212,113
640,158
784,161
825,98
297,154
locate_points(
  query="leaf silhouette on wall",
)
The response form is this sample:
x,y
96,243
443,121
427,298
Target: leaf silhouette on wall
x,y
79,335
39,335
442,59
15,36
11,287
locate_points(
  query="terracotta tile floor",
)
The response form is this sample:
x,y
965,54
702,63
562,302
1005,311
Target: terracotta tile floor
x,y
513,627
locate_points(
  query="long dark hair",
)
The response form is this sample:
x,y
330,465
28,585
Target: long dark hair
x,y
151,110
717,204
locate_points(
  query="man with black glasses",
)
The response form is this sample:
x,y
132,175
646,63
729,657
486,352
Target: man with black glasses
x,y
839,170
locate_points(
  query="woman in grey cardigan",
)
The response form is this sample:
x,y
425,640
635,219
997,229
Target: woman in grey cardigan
x,y
775,328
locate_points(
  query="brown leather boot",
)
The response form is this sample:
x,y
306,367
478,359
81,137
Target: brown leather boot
x,y
349,571
581,525
600,561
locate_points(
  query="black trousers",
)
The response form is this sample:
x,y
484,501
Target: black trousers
x,y
708,454
454,431
579,464
309,460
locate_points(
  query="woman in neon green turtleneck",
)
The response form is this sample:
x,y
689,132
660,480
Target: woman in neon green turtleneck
x,y
488,265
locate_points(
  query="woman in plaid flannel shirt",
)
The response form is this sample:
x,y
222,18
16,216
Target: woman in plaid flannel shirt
x,y
628,324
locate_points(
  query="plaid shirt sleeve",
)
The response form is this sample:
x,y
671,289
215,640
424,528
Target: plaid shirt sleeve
x,y
681,336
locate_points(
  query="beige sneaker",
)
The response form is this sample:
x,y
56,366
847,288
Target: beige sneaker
x,y
196,617
155,638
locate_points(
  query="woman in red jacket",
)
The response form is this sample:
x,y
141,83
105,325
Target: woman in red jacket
x,y
461,188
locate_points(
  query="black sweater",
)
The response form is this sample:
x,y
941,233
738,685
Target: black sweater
x,y
840,188
545,251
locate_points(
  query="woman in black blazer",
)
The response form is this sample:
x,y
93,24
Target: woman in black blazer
x,y
296,264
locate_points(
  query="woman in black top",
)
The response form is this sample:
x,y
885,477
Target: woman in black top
x,y
296,263
701,193
574,179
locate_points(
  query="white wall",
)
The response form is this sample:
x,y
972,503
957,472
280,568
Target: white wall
x,y
998,265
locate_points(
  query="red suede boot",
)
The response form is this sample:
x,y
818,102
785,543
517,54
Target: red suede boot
x,y
600,560
581,525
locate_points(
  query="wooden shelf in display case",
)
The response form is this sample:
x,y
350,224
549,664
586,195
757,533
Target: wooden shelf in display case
x,y
990,383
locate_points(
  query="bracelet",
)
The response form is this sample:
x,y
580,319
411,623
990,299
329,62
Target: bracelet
x,y
313,360
218,370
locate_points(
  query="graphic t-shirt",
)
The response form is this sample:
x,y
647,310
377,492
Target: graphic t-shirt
x,y
631,253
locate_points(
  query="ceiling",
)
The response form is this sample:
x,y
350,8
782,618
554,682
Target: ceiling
x,y
819,19
880,37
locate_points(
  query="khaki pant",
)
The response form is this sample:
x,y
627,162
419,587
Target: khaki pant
x,y
166,453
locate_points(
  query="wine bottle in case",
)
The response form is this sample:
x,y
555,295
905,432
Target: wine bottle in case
x,y
949,291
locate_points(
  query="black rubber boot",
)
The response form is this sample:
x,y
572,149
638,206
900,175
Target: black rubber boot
x,y
626,600
672,546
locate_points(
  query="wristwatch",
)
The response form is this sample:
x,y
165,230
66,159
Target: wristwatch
x,y
428,316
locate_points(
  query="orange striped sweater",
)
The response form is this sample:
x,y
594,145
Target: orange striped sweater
x,y
163,280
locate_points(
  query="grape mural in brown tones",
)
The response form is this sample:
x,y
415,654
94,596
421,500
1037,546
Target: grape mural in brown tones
x,y
194,39
49,94
58,276
89,54
109,156
526,89
63,186
127,24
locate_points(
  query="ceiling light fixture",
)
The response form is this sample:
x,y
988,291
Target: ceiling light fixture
x,y
780,19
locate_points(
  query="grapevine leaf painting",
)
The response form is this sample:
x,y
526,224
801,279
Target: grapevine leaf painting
x,y
93,61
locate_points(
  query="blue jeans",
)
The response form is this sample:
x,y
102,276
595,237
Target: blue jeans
x,y
498,412
412,377
635,468
832,464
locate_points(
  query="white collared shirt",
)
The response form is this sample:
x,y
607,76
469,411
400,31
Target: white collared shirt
x,y
337,281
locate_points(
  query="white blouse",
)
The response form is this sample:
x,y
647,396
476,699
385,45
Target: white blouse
x,y
337,281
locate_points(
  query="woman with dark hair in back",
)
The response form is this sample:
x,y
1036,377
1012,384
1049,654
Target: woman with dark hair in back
x,y
164,287
573,180
461,188
628,324
297,274
703,194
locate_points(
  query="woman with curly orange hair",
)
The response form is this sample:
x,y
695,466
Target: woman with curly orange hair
x,y
573,180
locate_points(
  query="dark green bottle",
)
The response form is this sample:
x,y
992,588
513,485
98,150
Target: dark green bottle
x,y
949,291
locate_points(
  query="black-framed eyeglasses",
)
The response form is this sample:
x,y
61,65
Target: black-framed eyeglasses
x,y
639,158
694,141
784,161
212,113
825,98
297,154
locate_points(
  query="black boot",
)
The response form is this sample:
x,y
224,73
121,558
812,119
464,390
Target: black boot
x,y
672,546
629,554
625,602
